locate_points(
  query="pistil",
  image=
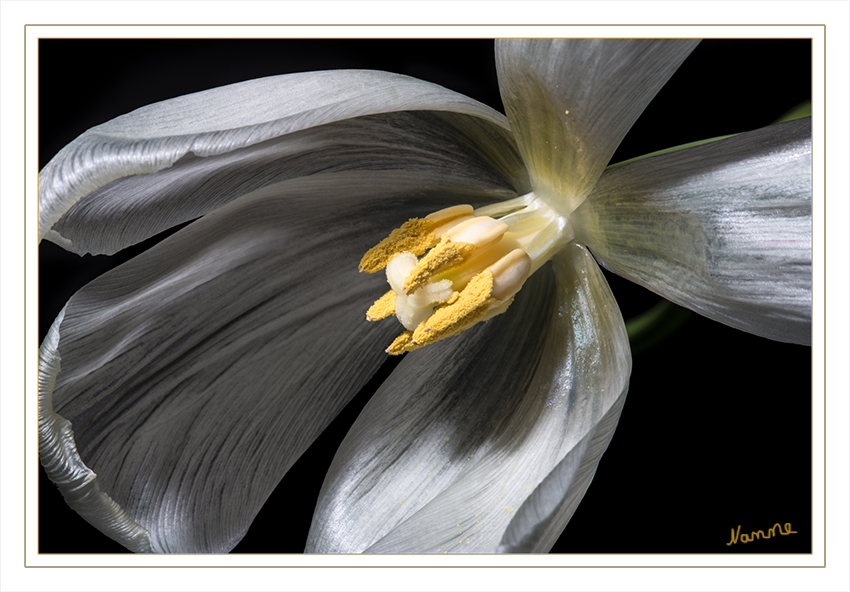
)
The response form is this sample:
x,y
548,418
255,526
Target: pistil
x,y
477,262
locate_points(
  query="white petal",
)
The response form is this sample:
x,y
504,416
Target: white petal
x,y
723,229
58,453
464,444
193,153
571,101
194,375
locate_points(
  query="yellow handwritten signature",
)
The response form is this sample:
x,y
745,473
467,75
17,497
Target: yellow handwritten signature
x,y
760,534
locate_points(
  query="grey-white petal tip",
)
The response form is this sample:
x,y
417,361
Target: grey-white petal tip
x,y
63,465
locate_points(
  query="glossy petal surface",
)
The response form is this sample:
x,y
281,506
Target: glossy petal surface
x,y
723,229
194,375
470,434
173,161
571,101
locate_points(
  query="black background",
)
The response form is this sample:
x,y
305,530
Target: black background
x,y
716,431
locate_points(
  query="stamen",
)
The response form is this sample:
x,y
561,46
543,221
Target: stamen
x,y
510,273
444,256
478,231
401,344
474,301
416,236
450,213
475,266
383,307
456,245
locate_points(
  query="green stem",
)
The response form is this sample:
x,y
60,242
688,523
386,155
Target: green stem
x,y
654,325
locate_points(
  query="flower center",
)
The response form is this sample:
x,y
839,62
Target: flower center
x,y
473,263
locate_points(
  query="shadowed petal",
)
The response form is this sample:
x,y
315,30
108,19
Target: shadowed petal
x,y
173,161
723,229
466,432
194,375
58,453
571,101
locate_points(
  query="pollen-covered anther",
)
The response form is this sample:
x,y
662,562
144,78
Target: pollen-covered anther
x,y
444,256
383,307
469,308
456,245
401,344
464,267
412,309
488,294
416,236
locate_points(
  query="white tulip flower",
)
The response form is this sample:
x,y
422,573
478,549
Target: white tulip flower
x,y
177,389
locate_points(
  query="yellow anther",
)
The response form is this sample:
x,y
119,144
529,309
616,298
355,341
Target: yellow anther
x,y
474,304
383,307
488,294
469,308
471,269
401,344
416,236
442,257
456,245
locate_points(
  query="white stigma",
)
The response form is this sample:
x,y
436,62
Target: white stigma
x,y
412,309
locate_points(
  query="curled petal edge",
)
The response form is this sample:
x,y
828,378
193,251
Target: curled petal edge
x,y
63,465
224,119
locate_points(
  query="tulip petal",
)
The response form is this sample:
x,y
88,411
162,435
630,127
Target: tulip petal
x,y
170,162
194,375
62,463
464,448
572,101
724,229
